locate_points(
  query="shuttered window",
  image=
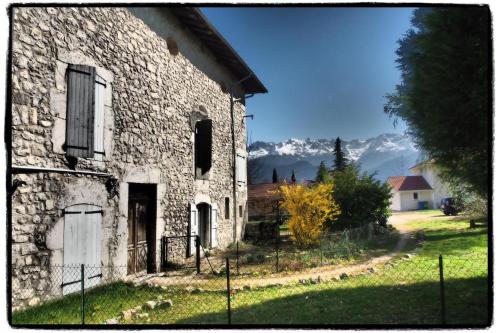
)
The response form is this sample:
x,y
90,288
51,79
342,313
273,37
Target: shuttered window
x,y
85,112
203,147
241,169
80,111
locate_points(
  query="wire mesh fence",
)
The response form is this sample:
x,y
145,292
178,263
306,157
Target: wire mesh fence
x,y
281,254
421,290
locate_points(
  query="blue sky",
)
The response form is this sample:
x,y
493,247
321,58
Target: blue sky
x,y
327,69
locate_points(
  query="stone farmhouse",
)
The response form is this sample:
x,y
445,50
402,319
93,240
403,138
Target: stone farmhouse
x,y
128,124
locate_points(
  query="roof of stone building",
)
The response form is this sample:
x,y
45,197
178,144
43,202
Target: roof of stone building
x,y
408,183
198,24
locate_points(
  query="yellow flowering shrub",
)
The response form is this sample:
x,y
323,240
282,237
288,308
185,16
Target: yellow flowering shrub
x,y
309,209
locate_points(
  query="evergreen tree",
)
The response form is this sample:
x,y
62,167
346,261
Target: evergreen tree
x,y
275,175
322,175
339,161
293,176
444,94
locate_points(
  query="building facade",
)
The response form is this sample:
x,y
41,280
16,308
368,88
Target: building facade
x,y
128,124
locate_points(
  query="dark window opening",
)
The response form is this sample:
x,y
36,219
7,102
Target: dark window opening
x,y
241,211
172,46
203,148
226,208
415,195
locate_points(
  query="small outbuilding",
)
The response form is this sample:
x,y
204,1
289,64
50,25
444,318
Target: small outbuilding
x,y
410,193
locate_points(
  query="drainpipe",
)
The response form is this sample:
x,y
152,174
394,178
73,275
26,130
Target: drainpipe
x,y
16,169
234,167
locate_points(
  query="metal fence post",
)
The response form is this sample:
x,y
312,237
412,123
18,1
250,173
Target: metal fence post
x,y
228,292
198,261
320,251
237,258
441,285
82,283
277,248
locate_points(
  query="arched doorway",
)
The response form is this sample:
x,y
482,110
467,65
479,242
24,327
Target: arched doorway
x,y
204,224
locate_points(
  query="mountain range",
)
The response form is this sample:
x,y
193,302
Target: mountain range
x,y
385,155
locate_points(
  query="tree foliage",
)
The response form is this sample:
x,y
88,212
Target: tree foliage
x,y
361,198
444,91
309,209
339,159
322,176
275,175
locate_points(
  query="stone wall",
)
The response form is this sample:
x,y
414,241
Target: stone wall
x,y
152,95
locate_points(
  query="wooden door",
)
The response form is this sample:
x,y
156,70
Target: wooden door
x,y
141,231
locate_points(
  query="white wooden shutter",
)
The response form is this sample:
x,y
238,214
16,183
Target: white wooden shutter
x,y
93,220
214,224
241,170
100,89
82,245
193,229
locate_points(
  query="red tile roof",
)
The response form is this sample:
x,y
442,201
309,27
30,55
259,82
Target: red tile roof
x,y
265,190
262,190
408,183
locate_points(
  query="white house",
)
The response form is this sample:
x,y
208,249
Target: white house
x,y
408,191
424,186
430,172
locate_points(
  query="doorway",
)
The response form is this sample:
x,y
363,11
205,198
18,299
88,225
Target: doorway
x,y
204,224
141,254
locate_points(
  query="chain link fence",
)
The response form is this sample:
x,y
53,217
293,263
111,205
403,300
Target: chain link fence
x,y
409,291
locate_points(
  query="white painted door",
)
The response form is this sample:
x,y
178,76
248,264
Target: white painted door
x,y
214,224
82,245
193,229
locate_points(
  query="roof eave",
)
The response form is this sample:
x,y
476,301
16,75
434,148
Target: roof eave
x,y
248,81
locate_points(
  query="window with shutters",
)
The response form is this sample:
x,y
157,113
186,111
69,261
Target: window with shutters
x,y
85,112
203,148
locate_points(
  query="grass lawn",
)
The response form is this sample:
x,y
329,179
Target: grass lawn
x,y
405,291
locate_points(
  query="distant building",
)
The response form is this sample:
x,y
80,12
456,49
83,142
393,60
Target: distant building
x,y
430,172
263,199
408,192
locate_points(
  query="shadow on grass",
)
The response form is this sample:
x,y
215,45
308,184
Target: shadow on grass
x,y
415,304
101,303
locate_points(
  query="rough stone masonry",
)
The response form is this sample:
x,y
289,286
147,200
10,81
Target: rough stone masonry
x,y
151,95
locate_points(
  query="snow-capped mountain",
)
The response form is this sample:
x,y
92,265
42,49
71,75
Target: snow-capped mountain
x,y
386,154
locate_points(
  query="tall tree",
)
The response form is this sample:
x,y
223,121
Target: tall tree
x,y
444,94
293,176
275,175
322,175
339,160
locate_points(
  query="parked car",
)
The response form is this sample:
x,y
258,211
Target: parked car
x,y
449,206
